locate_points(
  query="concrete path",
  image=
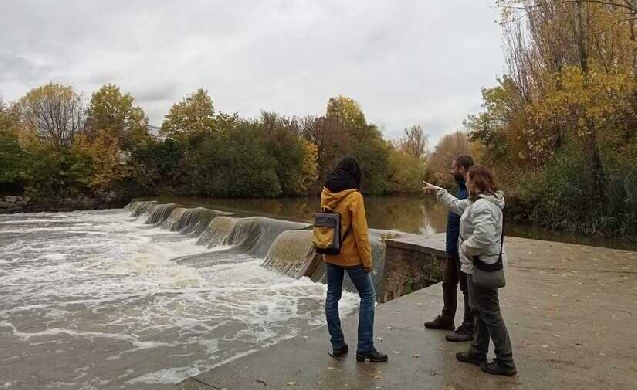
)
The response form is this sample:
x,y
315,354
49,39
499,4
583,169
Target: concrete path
x,y
571,312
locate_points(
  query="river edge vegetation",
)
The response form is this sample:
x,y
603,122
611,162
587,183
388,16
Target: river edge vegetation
x,y
559,129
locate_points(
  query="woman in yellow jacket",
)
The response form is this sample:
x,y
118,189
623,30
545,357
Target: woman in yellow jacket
x,y
341,194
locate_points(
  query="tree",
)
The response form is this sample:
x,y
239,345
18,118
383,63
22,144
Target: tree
x,y
54,112
449,147
414,143
346,110
113,112
194,114
108,167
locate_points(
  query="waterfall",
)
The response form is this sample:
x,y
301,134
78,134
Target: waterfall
x,y
217,231
291,253
160,212
141,207
173,218
286,246
255,235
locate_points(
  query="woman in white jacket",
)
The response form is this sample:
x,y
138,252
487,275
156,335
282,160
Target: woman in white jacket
x,y
481,224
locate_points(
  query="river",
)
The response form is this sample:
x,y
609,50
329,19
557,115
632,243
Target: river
x,y
128,299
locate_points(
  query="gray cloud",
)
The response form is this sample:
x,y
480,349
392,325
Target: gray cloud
x,y
407,62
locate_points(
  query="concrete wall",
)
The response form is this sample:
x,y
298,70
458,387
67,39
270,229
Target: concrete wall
x,y
412,262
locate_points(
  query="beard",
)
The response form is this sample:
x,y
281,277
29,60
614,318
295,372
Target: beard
x,y
458,177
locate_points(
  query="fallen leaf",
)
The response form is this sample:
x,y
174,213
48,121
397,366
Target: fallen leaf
x,y
331,368
390,328
379,339
545,346
378,377
416,355
291,383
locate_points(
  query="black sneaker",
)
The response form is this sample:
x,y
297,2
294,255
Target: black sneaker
x,y
495,368
440,322
468,357
339,351
372,356
462,334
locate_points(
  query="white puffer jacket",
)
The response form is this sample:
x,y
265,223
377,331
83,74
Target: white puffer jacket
x,y
480,227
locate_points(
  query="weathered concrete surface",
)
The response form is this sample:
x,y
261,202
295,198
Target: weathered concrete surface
x,y
571,311
411,263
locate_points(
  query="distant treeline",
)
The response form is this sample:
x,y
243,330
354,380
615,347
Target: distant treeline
x,y
55,146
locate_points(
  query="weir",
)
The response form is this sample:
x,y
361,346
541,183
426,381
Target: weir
x,y
255,235
173,218
286,247
160,212
217,231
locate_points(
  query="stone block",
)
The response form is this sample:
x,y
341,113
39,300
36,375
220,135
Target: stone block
x,y
5,205
11,199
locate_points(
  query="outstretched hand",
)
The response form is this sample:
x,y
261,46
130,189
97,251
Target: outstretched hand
x,y
428,187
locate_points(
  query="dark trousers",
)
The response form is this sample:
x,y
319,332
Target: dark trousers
x,y
450,279
489,325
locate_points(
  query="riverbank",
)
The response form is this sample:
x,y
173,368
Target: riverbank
x,y
570,310
24,204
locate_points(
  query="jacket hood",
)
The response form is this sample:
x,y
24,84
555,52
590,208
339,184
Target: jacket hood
x,y
332,199
497,199
340,180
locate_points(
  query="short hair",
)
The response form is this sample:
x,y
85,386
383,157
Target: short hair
x,y
464,161
482,180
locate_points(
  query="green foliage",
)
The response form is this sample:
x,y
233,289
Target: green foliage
x,y
235,164
55,172
11,158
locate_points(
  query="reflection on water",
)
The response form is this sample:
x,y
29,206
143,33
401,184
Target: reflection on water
x,y
409,214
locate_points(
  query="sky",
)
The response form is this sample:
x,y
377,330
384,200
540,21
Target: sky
x,y
407,62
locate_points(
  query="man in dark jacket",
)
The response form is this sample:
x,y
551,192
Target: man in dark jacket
x,y
452,274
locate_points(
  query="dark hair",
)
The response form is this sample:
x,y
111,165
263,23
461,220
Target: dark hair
x,y
481,181
464,161
350,165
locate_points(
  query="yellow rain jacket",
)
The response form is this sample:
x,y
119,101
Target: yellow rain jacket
x,y
356,249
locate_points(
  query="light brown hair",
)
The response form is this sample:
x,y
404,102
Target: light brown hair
x,y
481,181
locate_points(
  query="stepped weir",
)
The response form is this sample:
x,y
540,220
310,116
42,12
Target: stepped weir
x,y
286,247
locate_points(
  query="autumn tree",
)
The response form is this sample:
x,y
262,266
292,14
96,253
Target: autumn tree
x,y
194,114
113,112
54,112
414,142
439,162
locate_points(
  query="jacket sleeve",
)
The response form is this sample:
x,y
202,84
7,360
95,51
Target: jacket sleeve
x,y
454,204
484,232
361,231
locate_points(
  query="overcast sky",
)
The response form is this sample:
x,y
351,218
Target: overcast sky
x,y
406,61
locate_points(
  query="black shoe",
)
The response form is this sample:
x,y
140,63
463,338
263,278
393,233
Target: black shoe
x,y
339,351
440,322
372,356
462,334
467,357
495,368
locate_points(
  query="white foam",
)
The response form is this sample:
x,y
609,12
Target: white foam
x,y
109,278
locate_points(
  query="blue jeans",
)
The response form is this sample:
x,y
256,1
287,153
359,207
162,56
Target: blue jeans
x,y
363,283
